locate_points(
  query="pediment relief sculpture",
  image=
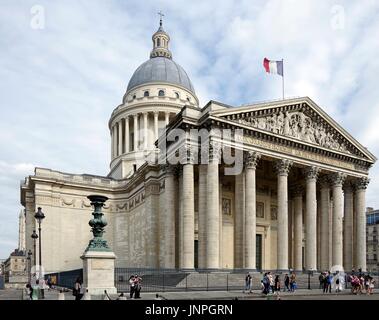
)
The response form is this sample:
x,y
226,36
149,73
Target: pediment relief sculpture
x,y
297,125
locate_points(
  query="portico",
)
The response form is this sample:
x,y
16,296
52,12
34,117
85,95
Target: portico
x,y
258,201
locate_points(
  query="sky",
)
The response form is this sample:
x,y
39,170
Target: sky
x,y
65,65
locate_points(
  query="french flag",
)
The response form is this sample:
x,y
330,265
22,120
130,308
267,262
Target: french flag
x,y
275,67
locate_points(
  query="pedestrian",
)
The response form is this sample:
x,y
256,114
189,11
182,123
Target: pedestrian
x,y
321,280
61,295
36,291
277,285
28,291
266,284
371,285
286,283
42,287
132,286
138,286
248,280
329,281
293,285
78,289
272,282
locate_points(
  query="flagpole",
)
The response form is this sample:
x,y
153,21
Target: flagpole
x,y
283,79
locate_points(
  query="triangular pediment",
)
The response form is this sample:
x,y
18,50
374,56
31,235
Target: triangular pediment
x,y
297,119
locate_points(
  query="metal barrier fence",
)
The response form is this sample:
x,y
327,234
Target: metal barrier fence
x,y
2,280
159,280
65,279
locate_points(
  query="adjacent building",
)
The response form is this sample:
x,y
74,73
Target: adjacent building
x,y
274,185
372,232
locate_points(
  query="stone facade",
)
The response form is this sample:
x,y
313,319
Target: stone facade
x,y
296,200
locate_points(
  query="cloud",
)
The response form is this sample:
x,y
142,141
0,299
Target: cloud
x,y
61,83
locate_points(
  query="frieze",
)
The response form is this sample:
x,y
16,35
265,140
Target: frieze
x,y
297,125
295,152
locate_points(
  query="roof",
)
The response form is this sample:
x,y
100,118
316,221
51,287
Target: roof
x,y
160,69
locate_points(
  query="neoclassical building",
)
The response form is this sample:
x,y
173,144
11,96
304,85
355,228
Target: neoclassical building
x,y
274,185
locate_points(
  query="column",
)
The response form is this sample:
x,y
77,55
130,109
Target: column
x,y
298,228
167,118
282,168
119,142
202,215
145,130
188,215
112,142
213,214
337,180
250,210
136,139
180,215
360,198
239,221
324,234
126,134
311,219
168,220
348,227
156,113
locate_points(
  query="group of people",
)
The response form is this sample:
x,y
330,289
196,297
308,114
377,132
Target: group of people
x,y
328,280
272,284
135,286
35,289
361,282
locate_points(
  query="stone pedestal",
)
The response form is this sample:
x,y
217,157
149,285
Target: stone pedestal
x,y
98,272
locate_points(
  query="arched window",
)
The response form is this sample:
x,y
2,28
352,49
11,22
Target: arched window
x,y
188,99
134,96
177,95
146,94
158,42
161,93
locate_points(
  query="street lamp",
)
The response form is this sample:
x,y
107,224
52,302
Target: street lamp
x,y
39,217
29,264
35,237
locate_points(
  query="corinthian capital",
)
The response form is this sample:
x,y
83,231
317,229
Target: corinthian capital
x,y
337,179
251,159
214,151
311,172
283,166
361,183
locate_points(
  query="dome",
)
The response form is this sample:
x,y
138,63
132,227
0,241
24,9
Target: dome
x,y
160,69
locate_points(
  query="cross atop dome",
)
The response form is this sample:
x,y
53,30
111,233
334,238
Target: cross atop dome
x,y
160,41
161,15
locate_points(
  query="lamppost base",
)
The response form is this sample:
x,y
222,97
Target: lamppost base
x,y
98,272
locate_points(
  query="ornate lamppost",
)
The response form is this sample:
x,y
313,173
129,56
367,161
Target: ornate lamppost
x,y
97,223
39,217
98,258
35,237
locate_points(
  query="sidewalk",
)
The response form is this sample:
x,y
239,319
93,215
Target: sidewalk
x,y
209,295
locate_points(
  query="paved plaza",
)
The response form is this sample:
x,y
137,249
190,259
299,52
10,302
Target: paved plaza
x,y
302,294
